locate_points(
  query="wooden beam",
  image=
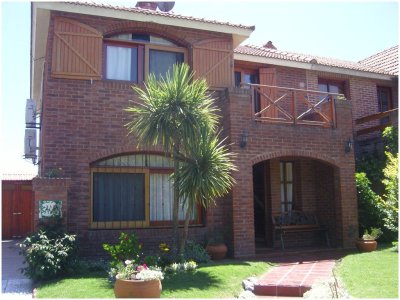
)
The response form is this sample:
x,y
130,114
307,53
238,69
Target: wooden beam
x,y
376,116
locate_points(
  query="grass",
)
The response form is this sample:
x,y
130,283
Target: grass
x,y
213,280
370,275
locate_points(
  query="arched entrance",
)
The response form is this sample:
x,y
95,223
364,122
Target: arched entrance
x,y
295,183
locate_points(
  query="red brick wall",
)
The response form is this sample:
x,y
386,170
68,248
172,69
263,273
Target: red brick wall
x,y
83,122
269,141
50,189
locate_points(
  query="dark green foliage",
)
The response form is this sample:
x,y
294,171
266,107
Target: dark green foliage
x,y
193,251
377,188
368,212
373,166
48,257
128,248
196,252
390,137
151,260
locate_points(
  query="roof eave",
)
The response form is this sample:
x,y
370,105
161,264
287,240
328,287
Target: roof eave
x,y
239,33
310,66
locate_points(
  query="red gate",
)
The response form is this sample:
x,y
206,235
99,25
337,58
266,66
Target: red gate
x,y
17,209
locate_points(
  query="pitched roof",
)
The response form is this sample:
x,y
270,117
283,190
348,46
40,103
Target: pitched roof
x,y
387,59
159,13
260,51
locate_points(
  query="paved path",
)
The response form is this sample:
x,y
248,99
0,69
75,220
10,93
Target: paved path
x,y
296,272
13,283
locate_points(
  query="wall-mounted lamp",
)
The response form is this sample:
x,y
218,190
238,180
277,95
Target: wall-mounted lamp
x,y
243,139
348,146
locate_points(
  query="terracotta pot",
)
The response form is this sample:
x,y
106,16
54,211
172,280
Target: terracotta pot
x,y
137,288
366,245
217,252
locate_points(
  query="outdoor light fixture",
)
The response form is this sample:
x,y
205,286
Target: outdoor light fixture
x,y
348,146
243,140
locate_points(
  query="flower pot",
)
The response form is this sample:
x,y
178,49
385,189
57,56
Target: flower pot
x,y
137,288
217,252
366,245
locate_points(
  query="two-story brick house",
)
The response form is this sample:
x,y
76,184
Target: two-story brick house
x,y
292,130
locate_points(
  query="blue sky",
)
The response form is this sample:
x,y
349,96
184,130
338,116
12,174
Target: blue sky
x,y
345,30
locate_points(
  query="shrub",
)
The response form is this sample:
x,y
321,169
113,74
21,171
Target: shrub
x,y
389,203
128,248
368,212
196,253
151,260
390,138
47,257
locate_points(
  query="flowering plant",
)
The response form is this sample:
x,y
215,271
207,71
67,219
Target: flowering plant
x,y
132,271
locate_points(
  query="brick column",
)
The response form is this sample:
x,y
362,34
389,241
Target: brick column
x,y
50,189
346,186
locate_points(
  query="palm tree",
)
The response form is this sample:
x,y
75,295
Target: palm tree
x,y
178,113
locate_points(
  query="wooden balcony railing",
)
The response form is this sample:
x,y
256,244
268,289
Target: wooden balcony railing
x,y
386,118
293,106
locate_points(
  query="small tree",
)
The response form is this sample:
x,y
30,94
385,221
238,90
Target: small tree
x,y
178,113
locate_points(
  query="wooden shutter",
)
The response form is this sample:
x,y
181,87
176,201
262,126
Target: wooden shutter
x,y
213,60
77,50
268,77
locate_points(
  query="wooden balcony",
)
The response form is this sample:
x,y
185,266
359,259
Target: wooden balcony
x,y
276,104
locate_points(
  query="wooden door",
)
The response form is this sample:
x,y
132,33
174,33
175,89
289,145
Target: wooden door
x,y
17,209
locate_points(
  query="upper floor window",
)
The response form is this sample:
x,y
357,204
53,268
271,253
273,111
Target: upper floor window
x,y
130,57
331,86
243,76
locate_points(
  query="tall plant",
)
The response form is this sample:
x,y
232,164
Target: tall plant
x,y
178,113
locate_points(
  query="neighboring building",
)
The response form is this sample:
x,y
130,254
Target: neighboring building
x,y
294,143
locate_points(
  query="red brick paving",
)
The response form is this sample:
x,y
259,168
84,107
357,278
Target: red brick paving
x,y
296,272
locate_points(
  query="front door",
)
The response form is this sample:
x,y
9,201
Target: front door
x,y
17,209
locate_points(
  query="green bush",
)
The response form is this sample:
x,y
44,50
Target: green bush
x,y
128,248
368,212
48,257
390,138
195,252
389,203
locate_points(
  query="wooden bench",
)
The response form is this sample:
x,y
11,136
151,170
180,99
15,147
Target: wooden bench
x,y
296,221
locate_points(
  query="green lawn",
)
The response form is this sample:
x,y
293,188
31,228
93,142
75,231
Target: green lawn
x,y
213,280
370,275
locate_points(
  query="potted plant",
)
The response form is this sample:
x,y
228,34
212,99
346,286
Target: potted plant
x,y
216,246
138,281
367,242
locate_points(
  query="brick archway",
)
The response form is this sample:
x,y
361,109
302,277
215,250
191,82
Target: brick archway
x,y
118,151
294,153
312,186
132,26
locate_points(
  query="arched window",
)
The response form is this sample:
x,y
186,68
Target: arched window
x,y
132,191
130,56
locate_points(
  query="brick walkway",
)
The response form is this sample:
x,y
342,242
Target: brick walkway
x,y
296,271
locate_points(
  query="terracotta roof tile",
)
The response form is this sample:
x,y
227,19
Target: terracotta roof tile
x,y
159,13
387,60
306,58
